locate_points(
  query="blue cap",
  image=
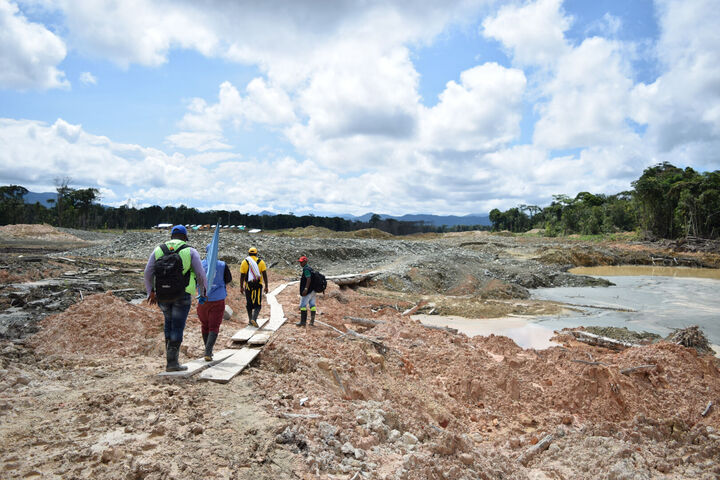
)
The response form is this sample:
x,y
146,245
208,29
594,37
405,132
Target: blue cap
x,y
178,229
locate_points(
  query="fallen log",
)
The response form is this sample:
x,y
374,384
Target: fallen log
x,y
599,341
535,449
365,322
445,329
589,363
352,279
379,346
626,371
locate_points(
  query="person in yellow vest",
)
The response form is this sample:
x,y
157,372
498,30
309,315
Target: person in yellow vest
x,y
253,277
174,274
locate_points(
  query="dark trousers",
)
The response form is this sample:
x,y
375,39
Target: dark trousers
x,y
253,295
211,315
176,313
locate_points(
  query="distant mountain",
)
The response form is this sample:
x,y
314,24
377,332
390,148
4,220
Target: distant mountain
x,y
32,198
435,220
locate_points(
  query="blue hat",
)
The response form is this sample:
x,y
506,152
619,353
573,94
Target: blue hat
x,y
178,229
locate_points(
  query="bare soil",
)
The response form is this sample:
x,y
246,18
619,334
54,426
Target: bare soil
x,y
80,399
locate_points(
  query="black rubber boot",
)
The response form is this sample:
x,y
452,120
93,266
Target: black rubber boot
x,y
211,337
173,352
303,318
205,337
251,320
312,318
256,314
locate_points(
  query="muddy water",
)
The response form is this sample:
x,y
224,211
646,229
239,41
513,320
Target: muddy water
x,y
651,299
657,301
520,329
646,270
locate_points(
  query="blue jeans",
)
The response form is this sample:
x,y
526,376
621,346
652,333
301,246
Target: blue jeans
x,y
176,314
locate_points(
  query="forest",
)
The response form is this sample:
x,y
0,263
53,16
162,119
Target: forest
x,y
665,202
80,208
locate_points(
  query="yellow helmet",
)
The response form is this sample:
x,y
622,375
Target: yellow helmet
x,y
252,251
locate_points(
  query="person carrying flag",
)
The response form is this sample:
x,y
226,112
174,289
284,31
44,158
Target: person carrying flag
x,y
211,310
253,276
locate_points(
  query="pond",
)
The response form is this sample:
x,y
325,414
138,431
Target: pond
x,y
652,299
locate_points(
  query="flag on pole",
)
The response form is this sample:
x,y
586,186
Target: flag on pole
x,y
211,258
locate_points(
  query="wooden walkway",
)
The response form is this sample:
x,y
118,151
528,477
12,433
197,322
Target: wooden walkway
x,y
230,362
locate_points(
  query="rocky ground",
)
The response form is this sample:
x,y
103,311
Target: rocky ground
x,y
79,397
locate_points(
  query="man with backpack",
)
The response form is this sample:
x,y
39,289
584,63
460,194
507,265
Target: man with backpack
x,y
211,311
311,282
253,272
172,275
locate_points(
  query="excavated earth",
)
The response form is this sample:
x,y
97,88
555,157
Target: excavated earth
x,y
389,399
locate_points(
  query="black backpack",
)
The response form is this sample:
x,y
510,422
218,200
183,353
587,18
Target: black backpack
x,y
318,283
170,283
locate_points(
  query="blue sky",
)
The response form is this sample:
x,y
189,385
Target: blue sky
x,y
398,107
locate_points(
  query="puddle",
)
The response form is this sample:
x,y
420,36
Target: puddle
x,y
647,271
657,304
522,331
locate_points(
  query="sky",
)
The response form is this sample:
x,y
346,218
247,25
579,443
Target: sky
x,y
339,106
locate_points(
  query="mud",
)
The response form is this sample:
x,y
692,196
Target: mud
x,y
79,398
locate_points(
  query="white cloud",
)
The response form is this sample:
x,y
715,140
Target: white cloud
x,y
29,52
481,113
263,104
534,32
200,141
88,78
682,106
589,97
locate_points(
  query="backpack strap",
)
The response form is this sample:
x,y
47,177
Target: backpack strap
x,y
166,250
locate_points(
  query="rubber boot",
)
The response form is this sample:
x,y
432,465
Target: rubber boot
x,y
205,337
312,318
303,318
251,320
211,337
256,314
173,352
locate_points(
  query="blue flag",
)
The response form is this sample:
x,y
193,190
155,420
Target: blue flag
x,y
211,258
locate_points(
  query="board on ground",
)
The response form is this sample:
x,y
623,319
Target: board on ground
x,y
244,334
195,366
224,371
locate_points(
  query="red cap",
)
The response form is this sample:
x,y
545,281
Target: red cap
x,y
302,259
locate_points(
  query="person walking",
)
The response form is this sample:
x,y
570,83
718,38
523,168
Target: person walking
x,y
172,275
307,294
211,310
253,276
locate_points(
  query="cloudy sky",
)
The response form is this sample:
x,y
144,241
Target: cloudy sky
x,y
444,107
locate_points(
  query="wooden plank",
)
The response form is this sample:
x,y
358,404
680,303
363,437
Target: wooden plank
x,y
224,371
244,334
195,366
278,290
259,338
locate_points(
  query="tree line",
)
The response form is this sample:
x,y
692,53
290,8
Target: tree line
x,y
665,202
80,208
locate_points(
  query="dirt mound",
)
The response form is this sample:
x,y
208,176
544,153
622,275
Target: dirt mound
x,y
101,324
429,401
368,233
37,232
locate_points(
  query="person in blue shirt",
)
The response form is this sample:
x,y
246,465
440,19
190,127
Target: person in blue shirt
x,y
211,311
